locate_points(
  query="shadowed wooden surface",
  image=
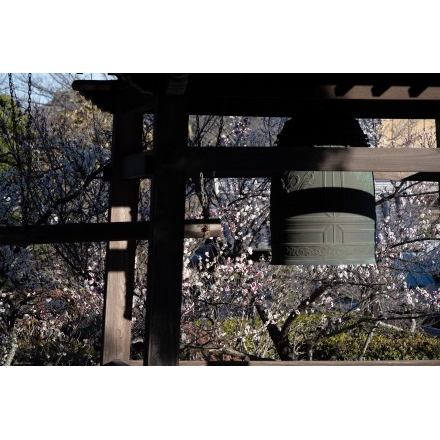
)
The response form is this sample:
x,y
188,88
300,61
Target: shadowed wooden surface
x,y
120,255
180,95
362,95
426,363
90,232
260,161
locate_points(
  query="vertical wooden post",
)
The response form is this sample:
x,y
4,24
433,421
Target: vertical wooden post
x,y
437,144
120,259
165,260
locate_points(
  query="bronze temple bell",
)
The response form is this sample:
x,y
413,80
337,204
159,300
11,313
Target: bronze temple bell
x,y
322,217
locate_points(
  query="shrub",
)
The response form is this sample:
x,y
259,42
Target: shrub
x,y
382,347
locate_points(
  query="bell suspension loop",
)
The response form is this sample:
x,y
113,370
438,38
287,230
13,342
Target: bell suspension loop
x,y
13,108
29,107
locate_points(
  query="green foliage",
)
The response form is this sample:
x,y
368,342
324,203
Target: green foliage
x,y
6,130
250,336
383,347
244,334
71,352
385,344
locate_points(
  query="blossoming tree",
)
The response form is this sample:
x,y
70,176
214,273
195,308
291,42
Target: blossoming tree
x,y
236,305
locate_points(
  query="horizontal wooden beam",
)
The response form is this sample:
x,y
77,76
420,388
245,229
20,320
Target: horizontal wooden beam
x,y
377,107
424,177
405,363
387,175
414,177
361,95
115,96
73,233
93,232
261,162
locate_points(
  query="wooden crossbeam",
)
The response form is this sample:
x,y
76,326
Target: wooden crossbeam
x,y
260,161
362,96
93,232
73,233
371,107
402,363
423,177
106,95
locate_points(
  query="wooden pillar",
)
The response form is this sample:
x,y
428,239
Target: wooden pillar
x,y
165,260
120,259
437,144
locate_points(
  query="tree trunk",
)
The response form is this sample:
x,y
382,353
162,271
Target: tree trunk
x,y
367,341
12,350
282,344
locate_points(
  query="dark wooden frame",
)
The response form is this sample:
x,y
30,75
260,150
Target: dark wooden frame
x,y
172,98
